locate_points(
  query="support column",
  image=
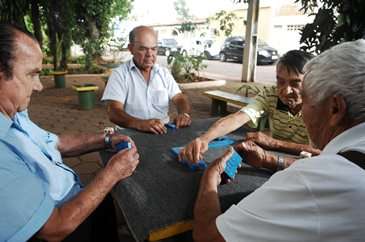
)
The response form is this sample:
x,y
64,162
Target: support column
x,y
250,48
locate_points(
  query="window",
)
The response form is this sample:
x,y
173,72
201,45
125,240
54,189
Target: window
x,y
295,27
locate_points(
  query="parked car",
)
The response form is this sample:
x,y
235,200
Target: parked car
x,y
211,49
201,47
167,47
233,49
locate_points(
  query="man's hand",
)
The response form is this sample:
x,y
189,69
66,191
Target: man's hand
x,y
117,138
124,163
265,141
216,168
155,126
182,120
254,154
194,150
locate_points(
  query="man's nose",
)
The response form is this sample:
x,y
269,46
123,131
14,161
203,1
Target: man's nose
x,y
288,89
38,86
149,52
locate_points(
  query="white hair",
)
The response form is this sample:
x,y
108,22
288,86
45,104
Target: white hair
x,y
339,71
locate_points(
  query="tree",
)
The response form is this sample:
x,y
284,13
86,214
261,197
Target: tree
x,y
14,11
226,22
335,21
183,12
93,19
85,22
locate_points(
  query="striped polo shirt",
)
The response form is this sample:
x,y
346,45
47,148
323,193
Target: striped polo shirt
x,y
283,124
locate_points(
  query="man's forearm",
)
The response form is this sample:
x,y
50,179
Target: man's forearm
x,y
123,119
207,209
271,161
292,148
226,125
70,215
182,104
78,144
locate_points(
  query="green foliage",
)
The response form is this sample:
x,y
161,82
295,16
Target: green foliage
x,y
46,72
187,27
79,60
183,12
335,21
84,22
226,22
93,21
185,68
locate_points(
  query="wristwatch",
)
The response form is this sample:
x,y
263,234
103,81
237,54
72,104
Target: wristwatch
x,y
280,164
108,141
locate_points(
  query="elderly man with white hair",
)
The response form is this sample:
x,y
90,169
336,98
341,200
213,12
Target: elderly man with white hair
x,y
315,199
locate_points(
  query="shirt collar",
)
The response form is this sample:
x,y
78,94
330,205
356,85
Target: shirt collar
x,y
346,140
5,124
132,66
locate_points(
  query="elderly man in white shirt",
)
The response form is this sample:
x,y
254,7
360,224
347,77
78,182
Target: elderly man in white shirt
x,y
315,199
139,91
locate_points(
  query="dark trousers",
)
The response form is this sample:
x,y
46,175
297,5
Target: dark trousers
x,y
100,226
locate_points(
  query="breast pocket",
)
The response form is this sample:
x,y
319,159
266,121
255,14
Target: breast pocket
x,y
160,100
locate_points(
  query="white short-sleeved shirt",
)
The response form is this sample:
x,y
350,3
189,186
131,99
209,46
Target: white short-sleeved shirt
x,y
141,100
315,199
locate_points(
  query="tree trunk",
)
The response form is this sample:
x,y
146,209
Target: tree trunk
x,y
65,46
36,21
52,34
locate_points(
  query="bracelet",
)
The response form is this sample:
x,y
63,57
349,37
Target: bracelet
x,y
108,141
280,164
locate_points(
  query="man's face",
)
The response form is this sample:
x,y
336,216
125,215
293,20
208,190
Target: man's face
x,y
316,117
26,69
289,86
144,49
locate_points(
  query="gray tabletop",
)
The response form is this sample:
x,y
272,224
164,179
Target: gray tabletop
x,y
162,191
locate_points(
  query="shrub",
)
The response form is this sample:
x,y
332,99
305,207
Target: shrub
x,y
185,68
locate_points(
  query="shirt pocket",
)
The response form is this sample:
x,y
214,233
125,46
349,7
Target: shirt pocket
x,y
160,98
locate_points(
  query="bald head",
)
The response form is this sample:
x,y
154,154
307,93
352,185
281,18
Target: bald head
x,y
139,31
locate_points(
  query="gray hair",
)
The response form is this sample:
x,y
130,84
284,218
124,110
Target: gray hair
x,y
339,71
133,33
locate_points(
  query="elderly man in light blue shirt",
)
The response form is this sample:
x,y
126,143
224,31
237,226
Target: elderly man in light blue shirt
x,y
40,195
138,92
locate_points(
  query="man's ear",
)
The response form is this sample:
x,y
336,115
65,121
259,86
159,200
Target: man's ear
x,y
130,46
2,76
338,110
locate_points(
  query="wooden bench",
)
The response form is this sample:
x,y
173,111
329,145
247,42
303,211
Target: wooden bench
x,y
221,98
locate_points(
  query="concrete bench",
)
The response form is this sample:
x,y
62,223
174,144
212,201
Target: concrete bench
x,y
221,98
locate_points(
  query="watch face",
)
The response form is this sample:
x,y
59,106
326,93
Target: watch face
x,y
108,141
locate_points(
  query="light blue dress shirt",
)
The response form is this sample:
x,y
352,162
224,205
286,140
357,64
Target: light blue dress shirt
x,y
33,178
